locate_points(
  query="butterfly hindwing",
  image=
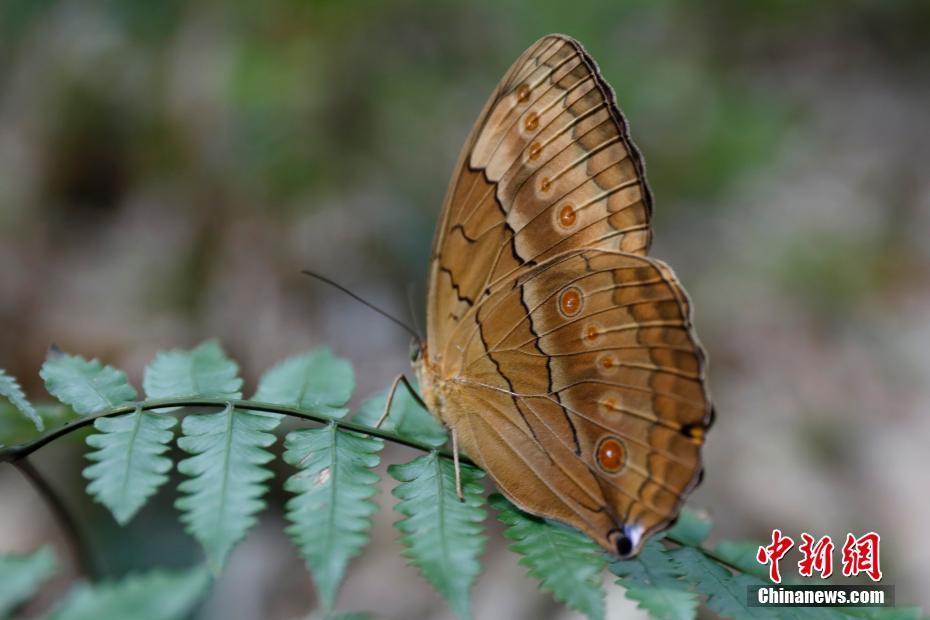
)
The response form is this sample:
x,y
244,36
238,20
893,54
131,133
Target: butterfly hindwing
x,y
600,350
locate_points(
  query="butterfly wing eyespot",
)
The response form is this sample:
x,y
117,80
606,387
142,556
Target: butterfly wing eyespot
x,y
534,151
610,454
592,333
571,301
567,216
607,364
567,359
531,122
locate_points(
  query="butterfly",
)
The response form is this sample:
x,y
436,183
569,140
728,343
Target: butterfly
x,y
561,357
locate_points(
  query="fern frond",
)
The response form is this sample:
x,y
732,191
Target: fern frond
x,y
443,536
153,596
129,466
407,418
566,563
204,371
87,386
11,390
726,592
21,576
226,476
652,579
331,513
317,381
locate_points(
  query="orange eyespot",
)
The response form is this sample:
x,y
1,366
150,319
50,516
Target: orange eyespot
x,y
532,121
523,93
570,302
610,404
545,184
606,362
592,333
610,455
535,150
567,216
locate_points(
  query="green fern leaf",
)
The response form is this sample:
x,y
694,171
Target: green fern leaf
x,y
87,386
10,389
204,371
443,536
665,603
226,477
407,418
21,576
567,563
652,580
317,381
331,514
691,528
153,596
129,466
726,593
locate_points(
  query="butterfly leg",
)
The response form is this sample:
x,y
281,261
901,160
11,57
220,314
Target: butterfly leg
x,y
458,468
390,399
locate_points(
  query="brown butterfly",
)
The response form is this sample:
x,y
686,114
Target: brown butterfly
x,y
562,359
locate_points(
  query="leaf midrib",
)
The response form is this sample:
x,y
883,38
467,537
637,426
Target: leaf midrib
x,y
440,486
304,386
137,423
327,544
221,513
93,384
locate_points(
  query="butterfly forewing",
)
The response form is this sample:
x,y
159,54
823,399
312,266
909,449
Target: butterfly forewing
x,y
561,355
548,168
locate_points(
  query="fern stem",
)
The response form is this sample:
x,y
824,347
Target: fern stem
x,y
11,454
79,547
710,553
17,454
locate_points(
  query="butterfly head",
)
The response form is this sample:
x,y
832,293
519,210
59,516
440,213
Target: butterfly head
x,y
416,351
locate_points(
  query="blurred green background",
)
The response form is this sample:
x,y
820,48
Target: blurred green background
x,y
167,168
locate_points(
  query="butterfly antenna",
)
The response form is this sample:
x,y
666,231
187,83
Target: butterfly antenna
x,y
395,320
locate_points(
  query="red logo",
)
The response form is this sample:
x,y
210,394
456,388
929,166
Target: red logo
x,y
817,557
860,555
774,553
